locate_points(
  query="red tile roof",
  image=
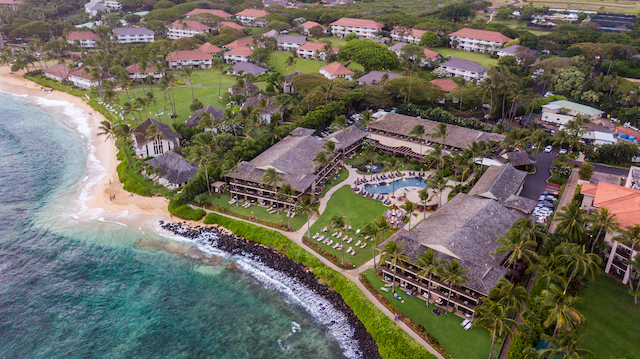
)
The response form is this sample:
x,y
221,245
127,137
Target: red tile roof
x,y
209,48
240,51
485,35
244,42
588,188
219,13
313,46
87,75
337,69
430,54
190,25
135,68
446,85
252,13
188,55
59,70
413,32
82,35
622,202
230,24
363,23
311,24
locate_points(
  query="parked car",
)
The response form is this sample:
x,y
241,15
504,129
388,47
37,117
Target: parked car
x,y
562,151
548,149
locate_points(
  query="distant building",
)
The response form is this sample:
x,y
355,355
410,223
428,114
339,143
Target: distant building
x,y
598,138
287,87
86,39
468,70
247,68
519,52
614,22
56,72
219,13
375,77
561,112
175,170
249,17
520,160
446,85
152,147
310,49
247,88
11,4
230,24
136,72
244,42
404,34
209,48
431,57
307,26
216,114
195,59
336,70
475,40
290,42
265,114
93,7
238,54
128,35
184,28
627,134
364,28
84,80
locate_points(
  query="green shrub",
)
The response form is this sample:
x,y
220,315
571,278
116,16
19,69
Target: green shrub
x,y
181,210
392,341
130,184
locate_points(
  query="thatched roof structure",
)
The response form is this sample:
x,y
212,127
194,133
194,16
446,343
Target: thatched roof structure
x,y
519,158
459,137
499,182
214,112
255,101
348,138
140,132
246,89
175,169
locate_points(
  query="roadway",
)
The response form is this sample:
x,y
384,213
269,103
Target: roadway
x,y
535,184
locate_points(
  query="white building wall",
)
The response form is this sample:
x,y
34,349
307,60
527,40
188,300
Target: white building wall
x,y
129,39
475,45
235,58
467,75
407,38
342,31
84,43
200,64
175,34
331,77
154,148
555,118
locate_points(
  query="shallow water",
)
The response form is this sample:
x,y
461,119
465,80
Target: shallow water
x,y
73,282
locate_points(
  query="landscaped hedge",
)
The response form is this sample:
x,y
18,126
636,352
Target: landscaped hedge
x,y
181,210
130,185
392,341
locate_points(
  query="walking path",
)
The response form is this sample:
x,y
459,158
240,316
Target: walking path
x,y
352,274
567,196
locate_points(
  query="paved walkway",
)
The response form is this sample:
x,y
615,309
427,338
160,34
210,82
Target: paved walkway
x,y
567,196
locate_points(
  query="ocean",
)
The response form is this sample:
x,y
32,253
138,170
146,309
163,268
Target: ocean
x,y
75,283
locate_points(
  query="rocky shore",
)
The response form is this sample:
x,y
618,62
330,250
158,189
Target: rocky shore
x,y
273,259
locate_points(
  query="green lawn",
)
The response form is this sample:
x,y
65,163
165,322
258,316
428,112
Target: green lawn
x,y
359,211
302,65
611,325
468,344
342,175
482,59
150,185
222,199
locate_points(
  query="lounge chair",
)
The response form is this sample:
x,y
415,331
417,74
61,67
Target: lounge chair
x,y
353,252
468,326
465,322
315,236
358,231
320,238
358,243
364,245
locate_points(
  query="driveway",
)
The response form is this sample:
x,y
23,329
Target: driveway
x,y
534,184
610,170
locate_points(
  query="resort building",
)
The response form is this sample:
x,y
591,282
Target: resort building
x,y
129,35
85,39
57,72
93,7
475,40
561,112
468,70
519,52
219,13
431,58
364,28
238,54
242,68
287,86
209,48
397,48
83,79
627,133
184,28
305,28
312,49
290,42
465,229
336,70
624,204
446,85
195,59
137,73
10,4
292,158
249,17
230,24
404,34
215,113
267,113
247,88
376,77
244,42
152,147
175,170
390,134
520,160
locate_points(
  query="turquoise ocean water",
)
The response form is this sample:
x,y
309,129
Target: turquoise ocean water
x,y
73,285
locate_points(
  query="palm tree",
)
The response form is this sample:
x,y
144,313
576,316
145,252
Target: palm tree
x,y
218,64
565,346
286,193
494,317
418,132
271,178
111,131
340,123
199,155
409,208
511,296
604,221
290,62
153,133
383,226
439,182
635,264
560,309
392,252
631,235
306,206
424,197
577,261
371,230
392,166
517,244
452,273
440,132
342,223
430,266
571,221
321,159
549,268
369,152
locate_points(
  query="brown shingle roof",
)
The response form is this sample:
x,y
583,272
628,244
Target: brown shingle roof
x,y
140,132
82,35
519,158
59,70
175,169
499,182
135,68
485,35
215,113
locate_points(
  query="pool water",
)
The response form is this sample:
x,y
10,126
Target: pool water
x,y
400,183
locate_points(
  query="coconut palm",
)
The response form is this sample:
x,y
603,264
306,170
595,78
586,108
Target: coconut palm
x,y
409,208
342,223
200,156
560,309
153,132
286,192
605,221
418,132
439,182
635,264
516,242
578,261
383,226
571,221
424,198
392,166
321,159
369,152
511,296
494,317
340,123
271,178
111,131
564,346
392,252
452,273
306,206
371,230
550,269
631,236
440,132
429,266
218,64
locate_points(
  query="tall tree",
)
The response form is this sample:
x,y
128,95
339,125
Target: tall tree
x,y
578,261
429,266
439,183
392,166
286,192
560,310
342,223
199,155
306,206
111,131
452,273
635,264
272,179
418,132
518,245
571,221
605,221
494,317
392,252
409,208
565,346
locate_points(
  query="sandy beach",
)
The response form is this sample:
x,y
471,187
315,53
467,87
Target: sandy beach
x,y
147,207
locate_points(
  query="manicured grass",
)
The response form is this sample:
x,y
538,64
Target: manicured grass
x,y
469,344
482,59
359,211
611,319
222,199
341,176
150,185
302,65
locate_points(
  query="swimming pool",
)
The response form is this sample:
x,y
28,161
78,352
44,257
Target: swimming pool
x,y
400,183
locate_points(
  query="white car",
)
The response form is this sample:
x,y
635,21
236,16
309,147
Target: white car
x,y
562,151
548,149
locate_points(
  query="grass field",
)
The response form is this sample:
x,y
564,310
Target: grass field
x,y
342,175
611,325
469,344
482,59
359,211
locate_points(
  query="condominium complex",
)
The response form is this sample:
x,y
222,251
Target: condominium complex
x,y
477,40
129,35
183,28
364,28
